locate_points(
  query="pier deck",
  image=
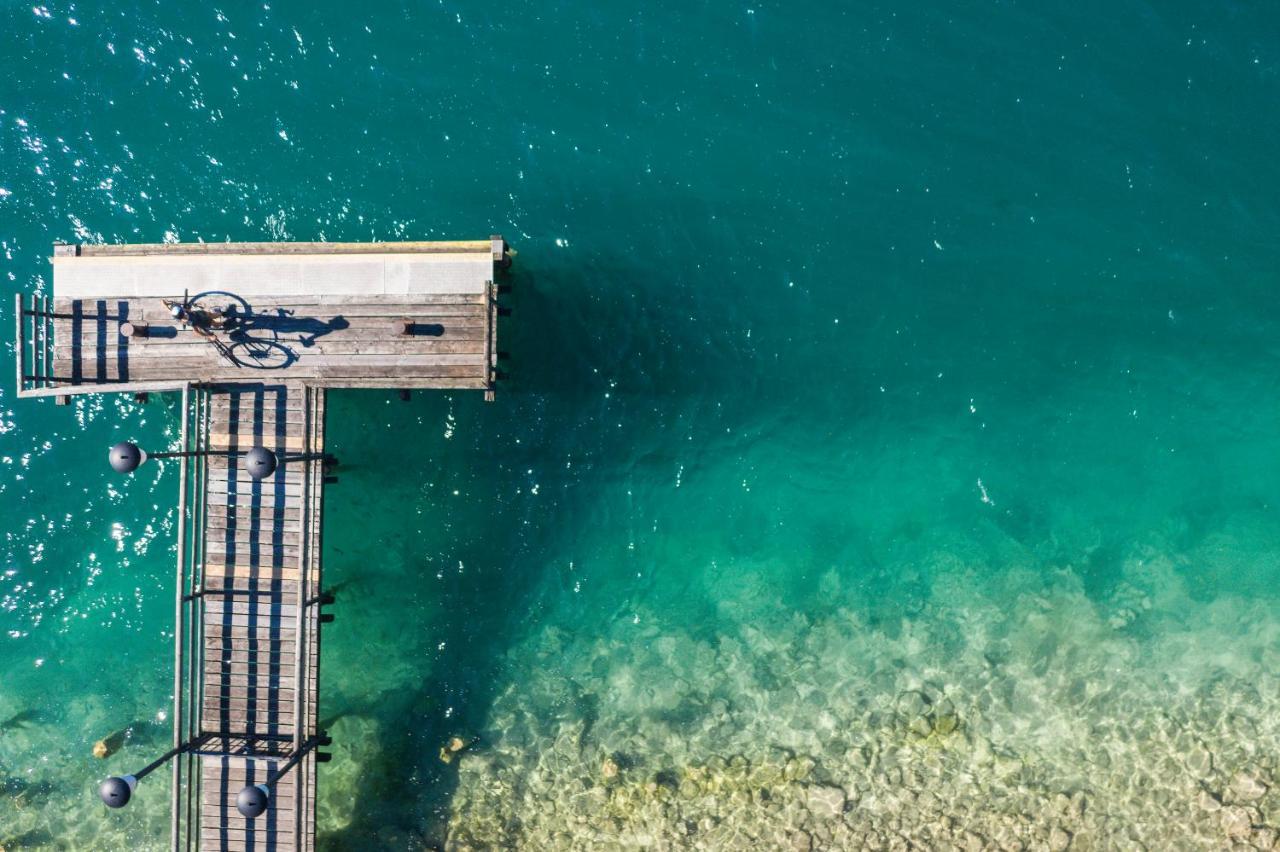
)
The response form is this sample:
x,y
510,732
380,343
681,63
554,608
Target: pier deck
x,y
259,658
404,315
292,319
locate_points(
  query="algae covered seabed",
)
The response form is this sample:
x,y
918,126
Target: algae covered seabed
x,y
887,458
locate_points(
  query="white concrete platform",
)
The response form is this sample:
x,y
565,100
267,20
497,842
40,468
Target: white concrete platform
x,y
249,275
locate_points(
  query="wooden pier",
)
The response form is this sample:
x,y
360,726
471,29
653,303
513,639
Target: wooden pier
x,y
260,653
265,330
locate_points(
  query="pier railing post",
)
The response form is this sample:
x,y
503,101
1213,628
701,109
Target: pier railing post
x,y
20,339
299,633
180,614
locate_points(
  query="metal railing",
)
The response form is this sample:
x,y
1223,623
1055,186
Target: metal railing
x,y
189,642
35,342
35,345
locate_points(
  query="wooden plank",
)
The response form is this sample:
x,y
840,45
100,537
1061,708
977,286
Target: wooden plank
x,y
452,349
242,678
238,626
228,649
449,344
224,578
241,652
263,686
402,381
247,487
227,829
237,773
264,556
307,363
246,520
61,388
356,368
284,319
226,626
243,516
238,710
224,469
268,395
259,404
222,794
277,722
228,823
491,338
242,663
391,369
245,501
284,248
431,325
220,805
279,435
220,570
263,537
429,331
222,813
226,673
249,625
273,442
217,607
221,810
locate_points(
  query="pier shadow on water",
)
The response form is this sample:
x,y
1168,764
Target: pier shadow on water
x,y
445,556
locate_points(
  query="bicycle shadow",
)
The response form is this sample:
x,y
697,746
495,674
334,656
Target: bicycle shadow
x,y
284,323
261,341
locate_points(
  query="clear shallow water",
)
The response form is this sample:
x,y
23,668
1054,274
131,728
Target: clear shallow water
x,y
892,391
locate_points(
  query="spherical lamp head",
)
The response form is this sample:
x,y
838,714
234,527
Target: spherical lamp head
x,y
260,462
116,792
253,800
126,456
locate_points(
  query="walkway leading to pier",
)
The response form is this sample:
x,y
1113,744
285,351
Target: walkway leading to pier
x,y
259,640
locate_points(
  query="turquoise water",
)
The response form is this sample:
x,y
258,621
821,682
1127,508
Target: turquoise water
x,y
888,452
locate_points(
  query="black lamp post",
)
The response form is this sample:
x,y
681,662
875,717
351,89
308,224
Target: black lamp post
x,y
117,790
258,462
254,799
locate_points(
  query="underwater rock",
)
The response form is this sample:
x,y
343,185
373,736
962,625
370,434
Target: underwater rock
x,y
111,743
825,802
1208,801
1006,765
1247,788
454,747
1199,761
1236,821
801,842
913,704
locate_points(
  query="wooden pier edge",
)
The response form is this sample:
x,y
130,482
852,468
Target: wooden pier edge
x,y
263,248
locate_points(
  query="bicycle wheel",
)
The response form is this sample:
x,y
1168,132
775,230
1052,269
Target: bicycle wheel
x,y
256,354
